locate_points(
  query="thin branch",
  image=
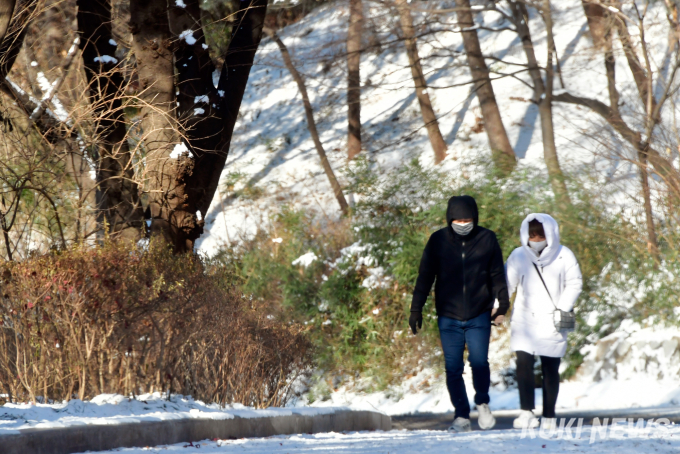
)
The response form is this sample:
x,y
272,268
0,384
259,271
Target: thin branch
x,y
47,98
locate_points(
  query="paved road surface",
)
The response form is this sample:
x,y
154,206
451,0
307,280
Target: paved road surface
x,y
441,421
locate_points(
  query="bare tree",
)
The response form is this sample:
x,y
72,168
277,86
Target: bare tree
x,y
501,150
429,117
311,123
543,91
652,107
354,33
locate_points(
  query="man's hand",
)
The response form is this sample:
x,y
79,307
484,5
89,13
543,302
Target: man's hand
x,y
498,321
415,321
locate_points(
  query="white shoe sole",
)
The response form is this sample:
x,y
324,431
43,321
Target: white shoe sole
x,y
487,427
533,424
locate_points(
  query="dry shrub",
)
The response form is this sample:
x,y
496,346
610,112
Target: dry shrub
x,y
116,319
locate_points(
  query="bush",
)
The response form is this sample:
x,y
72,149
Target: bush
x,y
411,205
354,298
119,320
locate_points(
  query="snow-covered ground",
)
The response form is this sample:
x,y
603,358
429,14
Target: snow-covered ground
x,y
637,367
272,150
107,409
425,394
659,439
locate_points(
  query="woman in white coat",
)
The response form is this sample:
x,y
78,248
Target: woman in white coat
x,y
532,323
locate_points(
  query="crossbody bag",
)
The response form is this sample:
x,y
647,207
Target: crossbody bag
x,y
564,321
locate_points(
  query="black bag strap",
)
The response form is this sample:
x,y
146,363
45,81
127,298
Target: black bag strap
x,y
546,287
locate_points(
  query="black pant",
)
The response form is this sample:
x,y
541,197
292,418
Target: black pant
x,y
526,382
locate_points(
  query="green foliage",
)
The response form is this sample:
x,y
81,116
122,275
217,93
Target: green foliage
x,y
355,297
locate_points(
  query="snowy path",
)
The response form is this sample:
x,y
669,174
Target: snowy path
x,y
441,421
664,440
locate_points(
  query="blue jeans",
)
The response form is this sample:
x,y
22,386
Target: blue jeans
x,y
474,333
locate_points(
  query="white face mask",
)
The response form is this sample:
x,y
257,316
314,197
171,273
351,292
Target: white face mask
x,y
462,229
538,246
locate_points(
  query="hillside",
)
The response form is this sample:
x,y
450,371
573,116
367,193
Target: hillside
x,y
272,153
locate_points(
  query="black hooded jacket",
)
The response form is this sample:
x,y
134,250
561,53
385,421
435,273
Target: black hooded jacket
x,y
468,270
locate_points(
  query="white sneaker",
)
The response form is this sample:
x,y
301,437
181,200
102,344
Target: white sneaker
x,y
548,424
485,419
460,425
526,419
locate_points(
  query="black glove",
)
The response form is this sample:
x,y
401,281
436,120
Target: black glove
x,y
415,321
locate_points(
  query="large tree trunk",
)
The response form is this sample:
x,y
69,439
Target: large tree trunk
x,y
543,93
182,182
354,32
311,124
151,44
501,150
119,208
208,125
429,117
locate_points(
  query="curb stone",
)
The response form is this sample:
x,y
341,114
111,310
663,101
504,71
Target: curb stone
x,y
78,439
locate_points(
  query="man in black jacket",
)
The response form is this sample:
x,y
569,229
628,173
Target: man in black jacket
x,y
465,263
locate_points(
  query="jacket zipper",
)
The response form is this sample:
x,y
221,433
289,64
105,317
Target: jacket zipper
x,y
465,308
559,282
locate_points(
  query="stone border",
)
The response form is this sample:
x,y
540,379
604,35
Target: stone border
x,y
77,439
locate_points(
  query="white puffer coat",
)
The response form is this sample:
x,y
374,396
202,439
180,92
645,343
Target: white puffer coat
x,y
532,326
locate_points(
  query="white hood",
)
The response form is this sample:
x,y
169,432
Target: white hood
x,y
552,236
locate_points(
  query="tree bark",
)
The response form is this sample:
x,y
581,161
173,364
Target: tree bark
x,y
118,204
24,13
199,117
652,242
429,117
119,208
543,94
501,150
207,126
6,12
599,22
151,44
636,68
311,124
354,32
